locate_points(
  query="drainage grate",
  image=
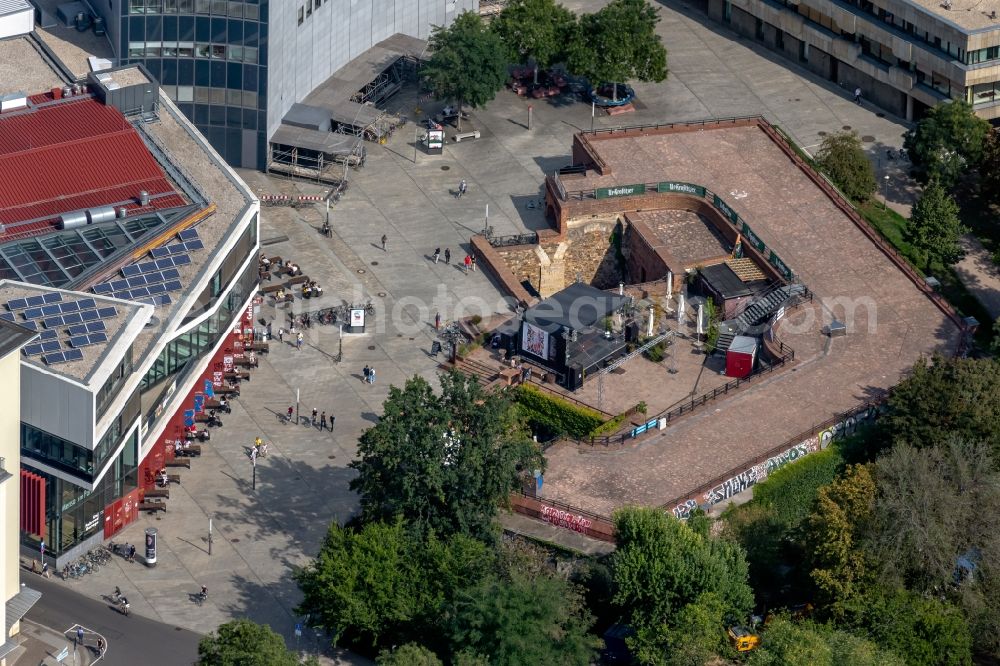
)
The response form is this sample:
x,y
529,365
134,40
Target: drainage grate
x,y
868,138
445,167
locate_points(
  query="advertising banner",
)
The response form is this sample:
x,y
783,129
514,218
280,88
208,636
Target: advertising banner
x,y
358,318
683,188
751,237
726,210
619,191
534,341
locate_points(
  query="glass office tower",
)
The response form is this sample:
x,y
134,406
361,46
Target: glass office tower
x,y
210,57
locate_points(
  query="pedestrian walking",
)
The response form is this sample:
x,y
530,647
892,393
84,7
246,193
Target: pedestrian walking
x,y
131,553
371,375
79,635
281,335
332,419
298,341
366,372
100,647
473,263
437,254
447,256
322,422
315,412
462,187
253,456
468,263
268,331
437,321
857,96
384,239
291,410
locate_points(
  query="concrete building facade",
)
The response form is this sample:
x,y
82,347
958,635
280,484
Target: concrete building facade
x,y
904,55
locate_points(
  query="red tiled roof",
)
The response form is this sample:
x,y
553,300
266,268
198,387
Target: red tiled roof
x,y
72,155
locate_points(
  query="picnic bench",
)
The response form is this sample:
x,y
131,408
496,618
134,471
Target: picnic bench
x,y
264,274
276,261
178,462
213,404
158,492
298,279
152,506
510,375
271,288
245,363
190,451
237,376
228,391
258,347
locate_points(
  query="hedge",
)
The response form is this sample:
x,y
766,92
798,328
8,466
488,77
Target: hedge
x,y
557,415
791,490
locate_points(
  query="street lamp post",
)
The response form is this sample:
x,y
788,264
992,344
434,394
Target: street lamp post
x,y
885,192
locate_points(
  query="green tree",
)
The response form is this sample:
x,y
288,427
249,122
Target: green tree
x,y
245,643
524,620
947,142
661,566
944,398
843,159
935,507
934,227
618,44
535,31
383,582
989,167
410,654
843,509
787,643
468,62
923,629
443,462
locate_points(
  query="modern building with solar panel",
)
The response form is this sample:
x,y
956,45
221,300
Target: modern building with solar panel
x,y
129,248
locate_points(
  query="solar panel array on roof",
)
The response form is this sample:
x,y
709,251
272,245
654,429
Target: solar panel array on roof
x,y
78,341
33,301
83,329
63,356
188,234
159,299
172,250
46,347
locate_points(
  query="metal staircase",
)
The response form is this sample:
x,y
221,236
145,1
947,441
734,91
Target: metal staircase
x,y
758,312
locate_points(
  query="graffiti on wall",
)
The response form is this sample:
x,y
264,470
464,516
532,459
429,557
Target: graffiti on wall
x,y
748,477
757,473
565,519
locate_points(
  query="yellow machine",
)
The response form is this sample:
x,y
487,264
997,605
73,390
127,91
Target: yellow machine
x,y
743,639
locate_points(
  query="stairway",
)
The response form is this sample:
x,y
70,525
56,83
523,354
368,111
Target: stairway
x,y
482,372
758,312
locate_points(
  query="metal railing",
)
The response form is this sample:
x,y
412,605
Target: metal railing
x,y
684,123
512,240
556,504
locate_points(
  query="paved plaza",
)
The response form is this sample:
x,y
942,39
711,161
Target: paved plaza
x,y
261,535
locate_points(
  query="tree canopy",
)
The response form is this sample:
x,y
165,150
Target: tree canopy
x,y
661,566
524,620
785,642
383,582
619,43
535,30
468,62
943,398
934,227
843,159
443,462
245,643
947,142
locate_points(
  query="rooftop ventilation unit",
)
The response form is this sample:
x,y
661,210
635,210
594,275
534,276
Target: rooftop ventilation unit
x,y
13,101
73,220
102,214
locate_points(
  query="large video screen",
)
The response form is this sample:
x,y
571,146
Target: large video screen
x,y
535,341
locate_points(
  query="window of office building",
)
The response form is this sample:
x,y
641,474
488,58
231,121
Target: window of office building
x,y
984,93
302,17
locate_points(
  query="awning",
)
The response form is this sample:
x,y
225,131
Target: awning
x,y
321,142
19,605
